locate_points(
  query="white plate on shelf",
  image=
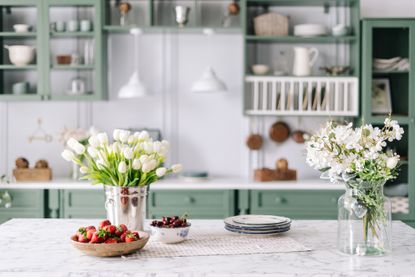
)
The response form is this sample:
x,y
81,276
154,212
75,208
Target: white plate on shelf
x,y
310,30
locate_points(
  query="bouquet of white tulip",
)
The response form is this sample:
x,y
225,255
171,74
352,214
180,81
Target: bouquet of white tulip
x,y
131,160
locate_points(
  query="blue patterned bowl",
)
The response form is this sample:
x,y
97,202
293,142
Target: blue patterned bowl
x,y
170,235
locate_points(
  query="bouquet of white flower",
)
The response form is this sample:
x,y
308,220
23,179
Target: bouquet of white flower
x,y
132,160
358,158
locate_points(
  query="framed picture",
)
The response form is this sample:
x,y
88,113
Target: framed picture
x,y
381,96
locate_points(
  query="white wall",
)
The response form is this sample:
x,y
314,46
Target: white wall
x,y
207,131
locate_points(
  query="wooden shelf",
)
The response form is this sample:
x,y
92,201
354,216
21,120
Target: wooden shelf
x,y
296,39
14,67
73,67
17,35
72,34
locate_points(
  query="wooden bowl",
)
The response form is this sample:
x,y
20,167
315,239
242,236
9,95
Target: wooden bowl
x,y
111,250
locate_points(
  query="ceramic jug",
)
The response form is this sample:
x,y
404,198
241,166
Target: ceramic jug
x,y
304,59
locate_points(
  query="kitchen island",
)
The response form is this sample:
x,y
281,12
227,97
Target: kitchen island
x,y
41,247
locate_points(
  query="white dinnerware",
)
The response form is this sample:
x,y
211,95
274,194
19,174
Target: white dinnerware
x,y
339,30
309,30
21,28
260,69
304,59
170,235
21,55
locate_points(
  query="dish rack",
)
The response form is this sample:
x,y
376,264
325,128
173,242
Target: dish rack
x,y
319,96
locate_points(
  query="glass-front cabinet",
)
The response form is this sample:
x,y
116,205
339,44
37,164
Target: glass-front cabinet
x,y
388,87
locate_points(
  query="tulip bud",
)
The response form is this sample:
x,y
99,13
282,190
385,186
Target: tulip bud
x,y
149,165
148,147
83,169
76,146
161,171
116,134
176,168
144,135
68,155
143,158
131,139
124,135
122,167
103,138
92,152
136,164
93,141
128,153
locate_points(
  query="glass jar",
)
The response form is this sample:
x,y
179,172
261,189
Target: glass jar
x,y
364,220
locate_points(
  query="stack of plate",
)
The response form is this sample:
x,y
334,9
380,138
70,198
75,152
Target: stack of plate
x,y
257,224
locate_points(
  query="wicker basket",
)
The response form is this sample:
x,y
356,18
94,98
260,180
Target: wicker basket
x,y
271,24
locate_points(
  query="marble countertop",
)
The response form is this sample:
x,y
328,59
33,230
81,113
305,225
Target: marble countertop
x,y
41,247
178,183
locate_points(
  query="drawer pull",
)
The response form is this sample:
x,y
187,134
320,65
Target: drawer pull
x,y
189,199
280,200
6,199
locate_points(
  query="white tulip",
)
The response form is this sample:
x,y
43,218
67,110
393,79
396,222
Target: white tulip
x,y
149,166
136,164
124,135
128,153
144,158
131,139
115,147
93,141
100,164
76,146
103,138
83,169
68,155
144,135
93,152
161,171
176,168
166,144
157,146
392,162
136,134
148,147
116,134
122,167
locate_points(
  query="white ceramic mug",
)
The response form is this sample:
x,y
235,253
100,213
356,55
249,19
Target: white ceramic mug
x,y
304,59
86,25
72,25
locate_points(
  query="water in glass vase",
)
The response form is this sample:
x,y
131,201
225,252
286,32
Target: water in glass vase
x,y
364,220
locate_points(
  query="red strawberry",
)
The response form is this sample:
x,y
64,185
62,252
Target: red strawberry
x,y
119,231
110,229
137,236
99,236
83,237
104,223
122,237
130,237
111,240
124,227
80,231
90,228
90,233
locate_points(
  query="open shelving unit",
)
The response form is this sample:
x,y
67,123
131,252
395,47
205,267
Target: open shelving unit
x,y
385,39
315,95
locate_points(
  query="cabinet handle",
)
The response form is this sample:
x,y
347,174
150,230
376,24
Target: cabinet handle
x,y
334,200
279,200
412,120
189,199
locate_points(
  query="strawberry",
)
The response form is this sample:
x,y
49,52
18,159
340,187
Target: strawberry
x,y
111,240
99,236
137,236
110,229
124,227
90,233
122,237
90,228
130,237
104,223
119,231
80,231
83,238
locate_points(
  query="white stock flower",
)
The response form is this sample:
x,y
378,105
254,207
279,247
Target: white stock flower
x,y
122,167
83,169
161,171
92,152
124,135
128,153
76,146
116,134
68,155
144,135
149,165
176,168
93,141
136,164
392,162
103,138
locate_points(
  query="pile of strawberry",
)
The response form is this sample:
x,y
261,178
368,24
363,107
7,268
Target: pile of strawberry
x,y
106,233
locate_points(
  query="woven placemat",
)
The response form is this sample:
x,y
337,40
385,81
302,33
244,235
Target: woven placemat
x,y
203,243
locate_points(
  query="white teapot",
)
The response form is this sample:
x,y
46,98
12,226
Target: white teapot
x,y
304,59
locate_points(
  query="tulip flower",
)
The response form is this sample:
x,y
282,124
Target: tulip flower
x,y
76,146
144,158
161,171
103,138
131,139
68,155
92,152
128,153
143,135
116,134
122,167
83,169
149,165
136,164
93,141
176,168
124,135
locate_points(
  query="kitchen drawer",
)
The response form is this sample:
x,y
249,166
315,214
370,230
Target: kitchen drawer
x,y
82,203
26,203
304,204
197,203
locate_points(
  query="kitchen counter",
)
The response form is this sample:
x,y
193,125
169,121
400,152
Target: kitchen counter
x,y
41,247
178,184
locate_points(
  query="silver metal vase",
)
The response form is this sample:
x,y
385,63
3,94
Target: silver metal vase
x,y
126,205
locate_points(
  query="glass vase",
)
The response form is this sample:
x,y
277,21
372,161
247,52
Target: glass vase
x,y
364,220
126,205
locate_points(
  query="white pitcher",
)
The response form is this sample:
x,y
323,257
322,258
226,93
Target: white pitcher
x,y
304,59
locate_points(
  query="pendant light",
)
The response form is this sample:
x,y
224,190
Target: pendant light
x,y
134,88
209,82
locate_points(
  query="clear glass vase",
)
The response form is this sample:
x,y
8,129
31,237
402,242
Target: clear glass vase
x,y
364,220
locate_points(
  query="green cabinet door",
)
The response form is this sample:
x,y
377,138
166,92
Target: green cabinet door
x,y
82,203
199,204
25,204
299,204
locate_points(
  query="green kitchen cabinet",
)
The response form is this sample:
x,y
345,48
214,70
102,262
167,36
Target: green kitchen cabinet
x,y
297,204
199,204
24,204
82,203
386,38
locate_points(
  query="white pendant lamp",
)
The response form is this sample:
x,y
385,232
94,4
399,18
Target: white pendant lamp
x,y
134,88
209,82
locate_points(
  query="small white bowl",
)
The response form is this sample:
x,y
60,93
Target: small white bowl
x,y
260,69
340,30
21,28
170,235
